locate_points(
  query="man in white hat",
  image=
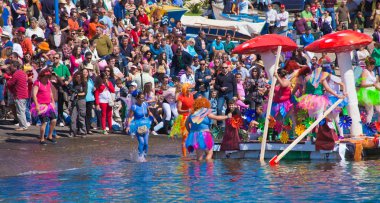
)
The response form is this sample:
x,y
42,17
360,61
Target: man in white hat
x,y
6,40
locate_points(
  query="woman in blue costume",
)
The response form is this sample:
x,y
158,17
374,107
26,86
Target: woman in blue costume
x,y
198,125
140,124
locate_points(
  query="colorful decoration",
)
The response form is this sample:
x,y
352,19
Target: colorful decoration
x,y
284,137
278,126
369,129
300,129
377,125
272,122
322,122
249,115
308,122
345,122
260,138
363,117
287,127
236,121
301,114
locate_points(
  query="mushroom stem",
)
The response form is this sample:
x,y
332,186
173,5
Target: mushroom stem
x,y
269,60
347,75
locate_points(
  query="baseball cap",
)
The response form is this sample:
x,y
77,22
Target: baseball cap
x,y
21,29
282,6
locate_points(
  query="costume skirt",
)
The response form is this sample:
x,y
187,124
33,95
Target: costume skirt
x,y
46,110
368,96
314,104
231,139
136,123
283,108
199,140
179,128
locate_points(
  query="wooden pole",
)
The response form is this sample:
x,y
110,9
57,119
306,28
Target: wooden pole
x,y
276,158
269,107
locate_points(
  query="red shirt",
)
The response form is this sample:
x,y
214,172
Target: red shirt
x,y
187,103
99,90
144,19
18,85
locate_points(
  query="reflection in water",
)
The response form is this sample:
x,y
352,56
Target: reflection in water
x,y
173,180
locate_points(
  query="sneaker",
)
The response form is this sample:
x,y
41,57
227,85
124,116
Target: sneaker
x,y
154,133
107,129
27,124
105,132
61,125
17,124
21,129
89,132
95,128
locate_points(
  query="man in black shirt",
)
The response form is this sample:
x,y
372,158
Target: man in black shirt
x,y
225,84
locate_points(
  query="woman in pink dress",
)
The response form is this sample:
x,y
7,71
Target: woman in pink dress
x,y
44,105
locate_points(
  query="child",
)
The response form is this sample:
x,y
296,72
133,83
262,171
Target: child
x,y
231,137
214,101
120,89
240,91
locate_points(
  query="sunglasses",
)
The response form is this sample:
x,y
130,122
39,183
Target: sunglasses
x,y
108,70
202,64
224,67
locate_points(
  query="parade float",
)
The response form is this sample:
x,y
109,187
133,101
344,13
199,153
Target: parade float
x,y
361,139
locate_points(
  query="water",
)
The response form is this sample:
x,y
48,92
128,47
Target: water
x,y
169,179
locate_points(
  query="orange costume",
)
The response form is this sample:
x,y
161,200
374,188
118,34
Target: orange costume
x,y
179,128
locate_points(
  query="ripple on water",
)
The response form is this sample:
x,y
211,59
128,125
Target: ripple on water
x,y
168,178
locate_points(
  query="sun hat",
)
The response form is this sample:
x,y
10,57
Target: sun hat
x,y
44,46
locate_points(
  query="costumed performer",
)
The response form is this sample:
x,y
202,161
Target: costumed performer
x,y
185,102
314,100
198,124
335,83
44,105
282,93
140,124
369,94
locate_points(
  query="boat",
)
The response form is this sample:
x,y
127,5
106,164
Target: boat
x,y
238,30
174,13
302,151
217,9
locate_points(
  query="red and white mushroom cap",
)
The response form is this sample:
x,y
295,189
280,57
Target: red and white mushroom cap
x,y
265,43
342,41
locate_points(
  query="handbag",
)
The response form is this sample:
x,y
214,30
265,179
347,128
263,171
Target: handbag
x,y
111,102
142,129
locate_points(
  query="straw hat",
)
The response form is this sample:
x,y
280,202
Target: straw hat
x,y
5,35
260,63
44,46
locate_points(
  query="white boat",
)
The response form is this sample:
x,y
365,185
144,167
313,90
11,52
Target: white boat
x,y
215,27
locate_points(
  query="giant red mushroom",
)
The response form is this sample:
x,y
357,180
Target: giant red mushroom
x,y
265,45
342,43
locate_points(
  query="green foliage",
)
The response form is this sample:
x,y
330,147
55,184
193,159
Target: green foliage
x,y
195,7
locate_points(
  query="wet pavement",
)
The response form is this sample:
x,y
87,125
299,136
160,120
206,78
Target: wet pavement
x,y
21,153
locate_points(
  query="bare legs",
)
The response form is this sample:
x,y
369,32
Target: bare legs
x,y
200,154
51,129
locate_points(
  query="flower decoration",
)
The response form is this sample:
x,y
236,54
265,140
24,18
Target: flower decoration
x,y
322,122
301,114
284,137
278,126
249,114
260,138
369,129
261,126
377,125
363,117
308,122
300,129
236,121
272,122
286,127
345,122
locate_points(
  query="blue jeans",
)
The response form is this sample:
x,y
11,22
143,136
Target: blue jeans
x,y
27,111
204,94
332,14
224,98
143,143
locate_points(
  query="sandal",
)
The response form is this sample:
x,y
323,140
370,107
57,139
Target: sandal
x,y
43,143
52,140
